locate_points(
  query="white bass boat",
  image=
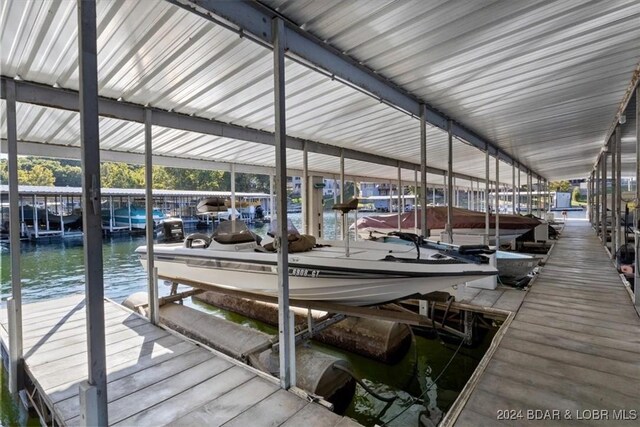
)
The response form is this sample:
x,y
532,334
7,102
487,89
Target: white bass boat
x,y
373,273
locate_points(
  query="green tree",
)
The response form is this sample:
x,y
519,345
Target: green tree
x,y
4,172
68,176
560,186
162,178
120,175
38,175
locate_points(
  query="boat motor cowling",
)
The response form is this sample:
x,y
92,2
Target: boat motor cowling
x,y
171,230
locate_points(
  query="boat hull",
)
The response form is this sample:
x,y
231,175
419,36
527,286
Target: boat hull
x,y
513,268
326,280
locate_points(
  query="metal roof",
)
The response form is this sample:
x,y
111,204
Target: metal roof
x,y
541,79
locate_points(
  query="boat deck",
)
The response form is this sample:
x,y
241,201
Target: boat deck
x,y
573,347
154,377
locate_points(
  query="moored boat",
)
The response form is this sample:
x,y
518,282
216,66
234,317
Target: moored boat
x,y
373,273
135,216
468,226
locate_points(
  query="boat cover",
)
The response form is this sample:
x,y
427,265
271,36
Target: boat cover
x,y
437,219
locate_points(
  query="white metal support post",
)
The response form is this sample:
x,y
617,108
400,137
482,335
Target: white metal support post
x,y
604,195
513,188
304,189
449,226
93,392
598,194
271,185
399,199
529,193
636,218
589,198
415,202
423,171
14,304
152,284
233,192
497,201
518,192
621,239
539,201
344,233
614,193
285,333
487,208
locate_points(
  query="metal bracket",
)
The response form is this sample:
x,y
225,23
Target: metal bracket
x,y
468,327
306,333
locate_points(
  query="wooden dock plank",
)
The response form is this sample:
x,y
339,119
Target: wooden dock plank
x,y
119,365
126,347
510,300
573,345
311,416
190,399
596,348
585,394
62,351
125,385
272,411
54,335
229,405
631,346
611,316
562,317
486,298
572,303
114,333
568,372
160,391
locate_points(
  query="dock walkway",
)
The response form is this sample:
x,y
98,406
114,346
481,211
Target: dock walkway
x,y
154,377
573,347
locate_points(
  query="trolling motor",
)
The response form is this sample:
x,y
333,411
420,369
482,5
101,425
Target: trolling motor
x,y
345,208
410,237
473,253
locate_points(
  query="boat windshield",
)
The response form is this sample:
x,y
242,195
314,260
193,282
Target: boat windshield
x,y
233,232
274,229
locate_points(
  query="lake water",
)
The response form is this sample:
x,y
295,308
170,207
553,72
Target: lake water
x,y
55,269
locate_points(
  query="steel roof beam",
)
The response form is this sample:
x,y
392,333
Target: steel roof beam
x,y
27,148
253,20
48,96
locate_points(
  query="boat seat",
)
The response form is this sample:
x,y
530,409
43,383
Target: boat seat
x,y
475,250
231,238
346,207
303,243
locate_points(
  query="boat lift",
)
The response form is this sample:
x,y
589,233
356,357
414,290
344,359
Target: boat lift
x,y
417,311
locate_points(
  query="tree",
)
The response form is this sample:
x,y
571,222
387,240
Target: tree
x,y
560,186
162,179
38,175
120,175
68,176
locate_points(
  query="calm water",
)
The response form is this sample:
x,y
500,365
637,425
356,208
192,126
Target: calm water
x,y
55,269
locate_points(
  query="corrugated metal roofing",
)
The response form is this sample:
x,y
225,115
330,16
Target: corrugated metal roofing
x,y
543,79
540,78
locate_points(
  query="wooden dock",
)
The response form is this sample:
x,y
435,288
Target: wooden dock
x,y
155,377
573,347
